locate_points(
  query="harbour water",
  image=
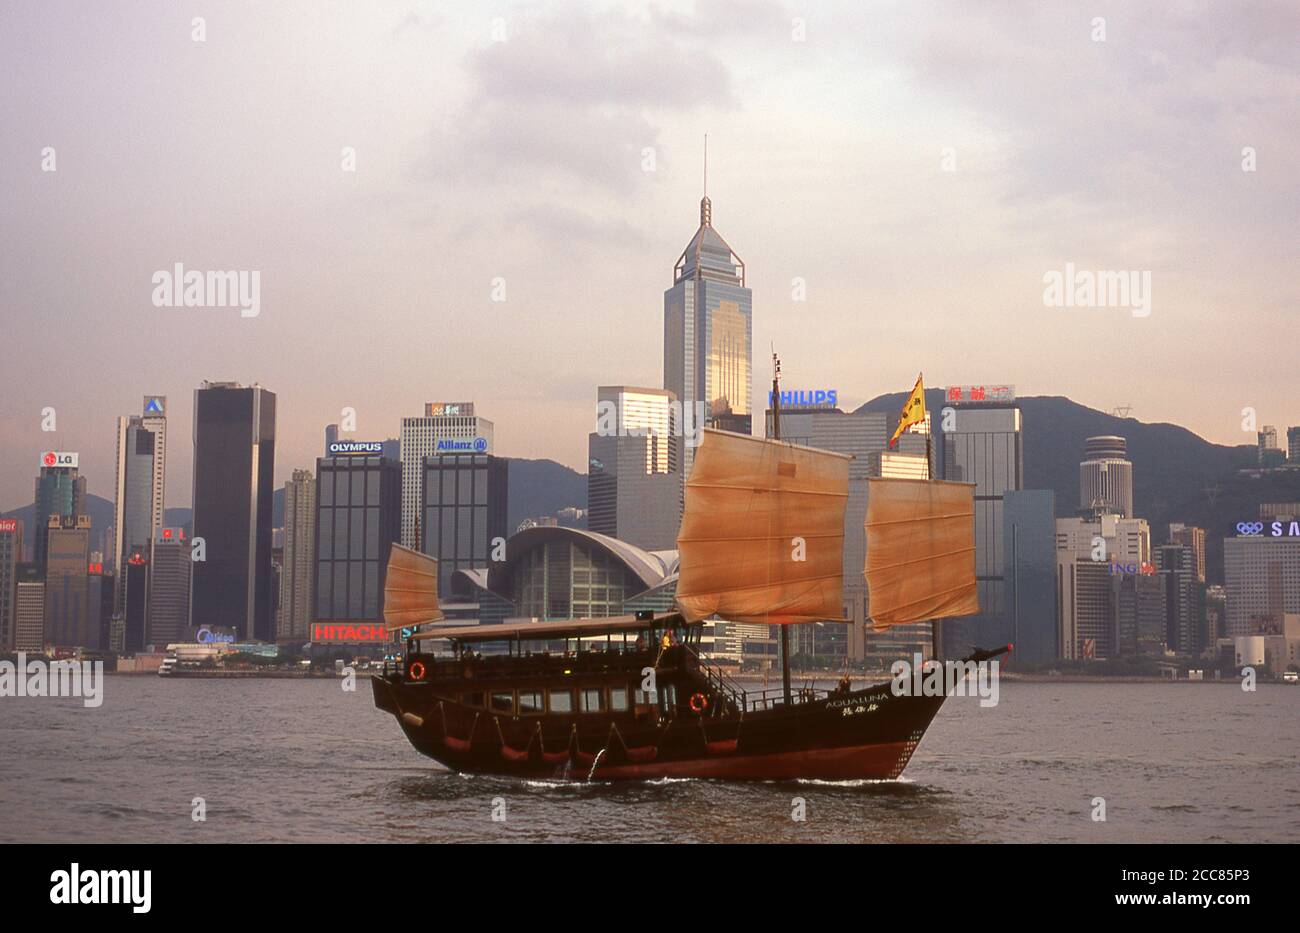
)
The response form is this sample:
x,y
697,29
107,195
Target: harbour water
x,y
303,760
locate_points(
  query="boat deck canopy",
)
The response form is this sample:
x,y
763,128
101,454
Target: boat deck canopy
x,y
532,631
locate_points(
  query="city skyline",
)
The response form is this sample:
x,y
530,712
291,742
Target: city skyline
x,y
374,280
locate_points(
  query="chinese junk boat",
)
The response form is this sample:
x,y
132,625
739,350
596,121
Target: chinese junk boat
x,y
630,697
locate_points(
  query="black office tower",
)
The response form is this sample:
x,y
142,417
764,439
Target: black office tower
x,y
358,519
234,465
464,511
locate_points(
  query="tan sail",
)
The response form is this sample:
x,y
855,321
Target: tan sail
x,y
920,551
762,537
410,589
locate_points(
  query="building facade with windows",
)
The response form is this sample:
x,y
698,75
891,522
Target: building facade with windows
x,y
357,520
11,555
708,335
633,467
983,445
234,472
463,512
445,428
298,576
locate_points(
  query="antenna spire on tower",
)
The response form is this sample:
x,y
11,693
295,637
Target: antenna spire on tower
x,y
706,206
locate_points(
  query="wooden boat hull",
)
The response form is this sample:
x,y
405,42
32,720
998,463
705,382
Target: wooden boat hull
x,y
864,734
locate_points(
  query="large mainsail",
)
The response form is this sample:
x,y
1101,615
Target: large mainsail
x,y
410,589
762,536
920,551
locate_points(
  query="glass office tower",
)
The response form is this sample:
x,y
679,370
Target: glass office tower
x,y
61,493
1029,573
234,468
708,334
464,509
984,447
358,518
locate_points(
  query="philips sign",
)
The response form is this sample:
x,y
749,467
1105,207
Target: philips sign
x,y
58,458
355,448
807,398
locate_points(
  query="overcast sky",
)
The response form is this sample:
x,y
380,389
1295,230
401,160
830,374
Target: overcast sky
x,y
525,160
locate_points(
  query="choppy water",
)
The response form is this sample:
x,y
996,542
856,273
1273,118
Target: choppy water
x,y
280,760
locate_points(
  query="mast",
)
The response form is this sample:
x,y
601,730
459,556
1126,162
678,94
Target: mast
x,y
935,644
776,435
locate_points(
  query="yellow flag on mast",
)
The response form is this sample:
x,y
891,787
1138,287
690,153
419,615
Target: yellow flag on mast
x,y
913,409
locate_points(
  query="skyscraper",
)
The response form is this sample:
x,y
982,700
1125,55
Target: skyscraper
x,y
1100,614
155,420
1175,566
1105,478
446,428
1267,439
169,587
60,493
1029,572
1261,580
358,514
135,579
29,609
465,500
140,478
67,591
234,468
983,445
633,481
1293,445
1194,538
708,334
11,555
297,580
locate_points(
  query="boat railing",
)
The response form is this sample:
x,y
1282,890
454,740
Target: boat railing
x,y
491,667
772,697
720,682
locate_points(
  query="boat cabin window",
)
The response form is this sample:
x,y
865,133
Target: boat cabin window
x,y
644,697
472,699
561,701
530,702
593,699
618,699
503,702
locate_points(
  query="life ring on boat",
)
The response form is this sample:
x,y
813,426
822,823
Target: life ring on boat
x,y
699,703
417,670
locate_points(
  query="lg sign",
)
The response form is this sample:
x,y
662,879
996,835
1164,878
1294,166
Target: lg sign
x,y
58,458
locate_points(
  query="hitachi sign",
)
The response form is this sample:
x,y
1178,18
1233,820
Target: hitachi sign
x,y
348,632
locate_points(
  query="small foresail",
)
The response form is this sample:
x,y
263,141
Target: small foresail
x,y
762,537
410,589
920,551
